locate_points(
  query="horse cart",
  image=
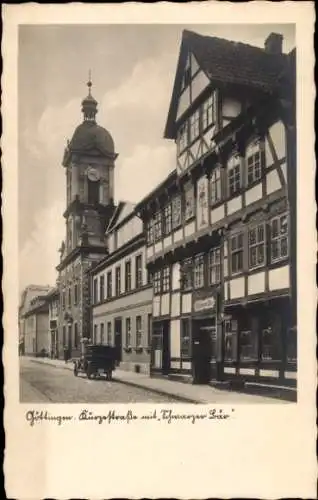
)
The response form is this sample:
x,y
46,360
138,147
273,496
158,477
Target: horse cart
x,y
96,360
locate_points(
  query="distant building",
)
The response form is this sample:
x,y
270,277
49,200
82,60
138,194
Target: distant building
x,y
89,161
28,294
121,292
37,340
221,229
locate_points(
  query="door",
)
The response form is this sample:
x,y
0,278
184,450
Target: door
x,y
160,352
203,350
118,338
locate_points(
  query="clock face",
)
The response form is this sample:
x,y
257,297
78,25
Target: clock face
x,y
93,174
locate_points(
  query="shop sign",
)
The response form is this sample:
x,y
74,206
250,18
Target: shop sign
x,y
203,304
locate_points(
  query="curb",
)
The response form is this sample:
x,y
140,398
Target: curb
x,y
162,392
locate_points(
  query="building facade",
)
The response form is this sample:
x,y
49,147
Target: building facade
x,y
36,319
122,294
53,301
89,161
28,294
221,228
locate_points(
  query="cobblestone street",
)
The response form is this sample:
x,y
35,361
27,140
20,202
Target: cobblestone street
x,y
42,383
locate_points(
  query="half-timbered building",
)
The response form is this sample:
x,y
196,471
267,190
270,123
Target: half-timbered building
x,y
221,227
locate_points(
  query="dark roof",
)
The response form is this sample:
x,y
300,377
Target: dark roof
x,y
88,135
225,61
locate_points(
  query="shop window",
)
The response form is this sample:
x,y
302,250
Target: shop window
x,y
109,285
189,202
215,186
208,111
230,340
150,231
157,282
248,345
101,288
166,279
194,125
279,238
167,219
268,345
109,333
157,227
186,273
102,333
253,162
198,271
291,341
127,276
185,347
214,265
128,333
138,331
237,253
234,176
138,271
76,337
176,212
256,246
117,281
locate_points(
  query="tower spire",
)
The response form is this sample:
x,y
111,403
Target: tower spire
x,y
89,83
89,104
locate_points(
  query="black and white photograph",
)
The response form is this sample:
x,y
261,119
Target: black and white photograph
x,y
157,213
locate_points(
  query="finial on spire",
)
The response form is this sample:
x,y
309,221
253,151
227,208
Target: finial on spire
x,y
89,83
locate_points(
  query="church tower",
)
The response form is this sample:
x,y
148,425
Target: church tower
x,y
89,161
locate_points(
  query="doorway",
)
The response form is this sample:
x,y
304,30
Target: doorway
x,y
160,352
118,338
203,350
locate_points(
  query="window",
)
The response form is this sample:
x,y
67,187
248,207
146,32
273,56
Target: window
x,y
215,186
109,284
189,201
149,332
149,277
185,347
253,161
208,112
101,288
109,333
176,212
128,332
256,246
292,344
63,299
93,191
198,274
76,338
230,340
157,226
214,262
187,274
95,297
138,271
150,231
268,345
279,238
102,333
237,251
64,335
117,280
157,282
127,276
182,137
95,334
166,279
248,345
194,125
69,297
75,294
234,175
167,219
138,331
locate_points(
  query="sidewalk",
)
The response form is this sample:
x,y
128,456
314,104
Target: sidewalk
x,y
179,390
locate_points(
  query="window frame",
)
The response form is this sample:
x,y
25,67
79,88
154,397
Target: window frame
x,y
109,332
234,169
253,152
214,265
128,277
256,245
236,251
150,231
167,219
188,194
208,111
101,288
157,226
199,271
216,186
166,279
128,332
176,203
183,137
194,125
187,271
138,331
279,237
138,271
157,282
117,281
109,284
95,290
185,347
101,332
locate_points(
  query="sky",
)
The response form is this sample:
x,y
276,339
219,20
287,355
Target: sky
x,y
133,69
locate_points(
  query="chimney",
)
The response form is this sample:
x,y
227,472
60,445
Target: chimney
x,y
274,43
